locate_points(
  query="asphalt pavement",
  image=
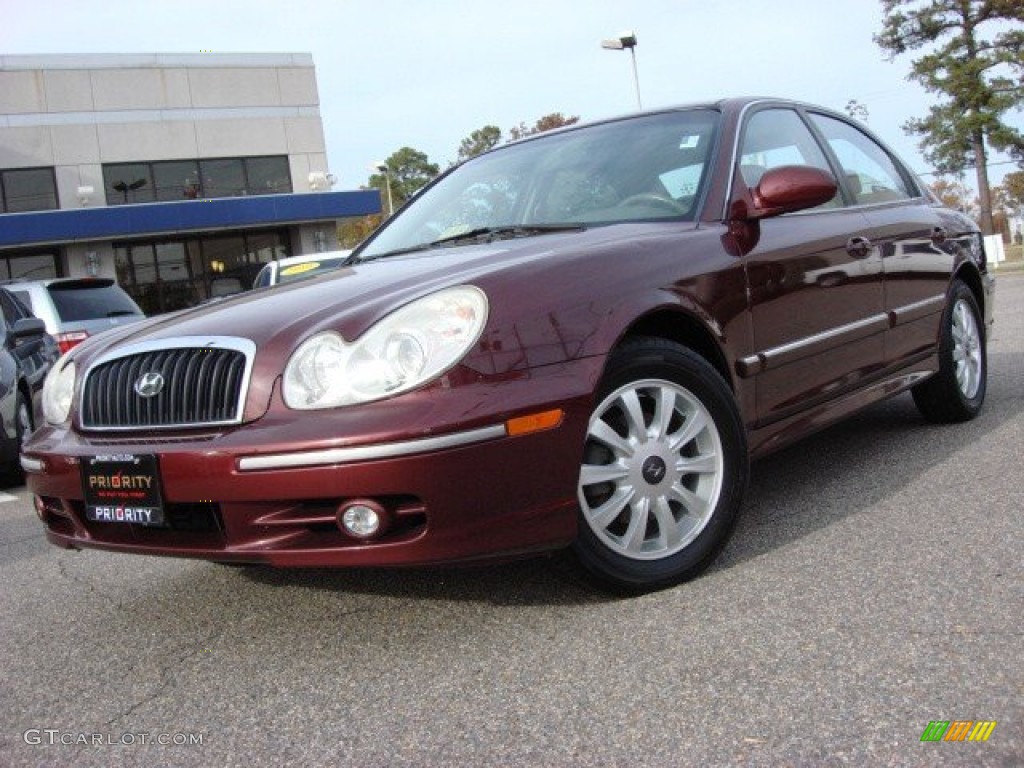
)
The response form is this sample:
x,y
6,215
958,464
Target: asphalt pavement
x,y
874,585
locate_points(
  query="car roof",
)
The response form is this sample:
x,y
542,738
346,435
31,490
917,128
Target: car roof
x,y
304,257
80,281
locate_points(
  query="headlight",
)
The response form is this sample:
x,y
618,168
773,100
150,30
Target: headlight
x,y
407,348
58,391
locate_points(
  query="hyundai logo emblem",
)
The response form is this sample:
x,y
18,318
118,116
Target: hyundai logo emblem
x,y
149,384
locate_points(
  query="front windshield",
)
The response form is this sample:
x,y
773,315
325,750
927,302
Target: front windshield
x,y
638,169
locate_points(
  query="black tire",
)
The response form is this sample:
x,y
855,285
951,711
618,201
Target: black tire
x,y
666,451
957,391
23,427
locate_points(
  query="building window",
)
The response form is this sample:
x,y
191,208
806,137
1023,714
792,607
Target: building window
x,y
176,180
127,183
267,175
28,189
223,178
29,266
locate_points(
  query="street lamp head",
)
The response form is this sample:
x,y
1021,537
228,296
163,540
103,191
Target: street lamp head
x,y
627,41
380,166
623,41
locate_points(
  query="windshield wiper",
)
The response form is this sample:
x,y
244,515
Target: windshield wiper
x,y
487,234
353,259
478,235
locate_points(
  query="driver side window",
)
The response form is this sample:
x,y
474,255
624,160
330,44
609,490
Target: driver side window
x,y
777,137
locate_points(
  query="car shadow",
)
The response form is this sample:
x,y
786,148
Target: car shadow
x,y
551,579
857,464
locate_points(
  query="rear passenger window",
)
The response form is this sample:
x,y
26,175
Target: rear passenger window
x,y
23,297
871,174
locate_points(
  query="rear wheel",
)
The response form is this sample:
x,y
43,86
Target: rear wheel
x,y
957,391
664,468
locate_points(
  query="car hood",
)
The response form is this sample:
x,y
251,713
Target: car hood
x,y
352,298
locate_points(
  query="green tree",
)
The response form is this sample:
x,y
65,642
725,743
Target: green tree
x,y
1011,196
952,193
856,110
546,123
1013,190
974,62
352,231
408,170
490,136
478,142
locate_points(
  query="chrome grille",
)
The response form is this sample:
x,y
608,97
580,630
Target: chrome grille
x,y
202,385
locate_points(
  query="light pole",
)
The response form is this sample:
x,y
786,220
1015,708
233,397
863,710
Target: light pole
x,y
623,41
381,167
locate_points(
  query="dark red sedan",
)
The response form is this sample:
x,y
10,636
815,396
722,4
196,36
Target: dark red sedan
x,y
578,340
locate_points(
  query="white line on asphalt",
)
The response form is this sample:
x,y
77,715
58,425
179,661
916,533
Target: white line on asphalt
x,y
7,497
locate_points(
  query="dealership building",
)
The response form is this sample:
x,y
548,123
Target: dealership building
x,y
177,175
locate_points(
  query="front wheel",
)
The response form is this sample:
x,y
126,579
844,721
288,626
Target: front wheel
x,y
11,473
957,391
664,468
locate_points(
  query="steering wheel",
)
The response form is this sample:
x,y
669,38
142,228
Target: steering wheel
x,y
649,199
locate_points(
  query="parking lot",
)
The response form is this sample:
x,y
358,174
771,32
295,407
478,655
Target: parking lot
x,y
875,584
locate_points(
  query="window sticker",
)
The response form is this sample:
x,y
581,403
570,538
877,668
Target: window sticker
x,y
298,269
682,182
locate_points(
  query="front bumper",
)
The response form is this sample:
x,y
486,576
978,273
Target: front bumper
x,y
458,489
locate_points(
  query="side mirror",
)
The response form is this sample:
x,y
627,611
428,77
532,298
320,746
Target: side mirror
x,y
27,328
791,188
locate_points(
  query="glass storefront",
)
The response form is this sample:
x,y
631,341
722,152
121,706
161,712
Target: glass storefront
x,y
167,275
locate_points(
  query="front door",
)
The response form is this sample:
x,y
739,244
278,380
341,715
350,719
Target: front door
x,y
815,286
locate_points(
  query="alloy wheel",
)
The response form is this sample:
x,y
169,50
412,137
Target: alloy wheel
x,y
652,471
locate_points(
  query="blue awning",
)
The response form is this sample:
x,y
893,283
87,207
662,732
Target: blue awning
x,y
152,219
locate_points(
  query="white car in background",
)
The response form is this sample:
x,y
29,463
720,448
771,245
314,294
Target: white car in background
x,y
298,267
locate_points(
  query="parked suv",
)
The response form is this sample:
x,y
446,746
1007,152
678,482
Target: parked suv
x,y
26,354
76,308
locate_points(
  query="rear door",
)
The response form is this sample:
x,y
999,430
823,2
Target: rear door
x,y
905,229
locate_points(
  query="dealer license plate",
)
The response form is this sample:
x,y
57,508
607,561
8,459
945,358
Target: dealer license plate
x,y
122,488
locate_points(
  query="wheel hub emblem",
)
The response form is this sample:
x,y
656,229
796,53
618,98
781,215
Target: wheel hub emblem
x,y
149,384
654,470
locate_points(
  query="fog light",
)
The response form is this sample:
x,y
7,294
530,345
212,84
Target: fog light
x,y
362,519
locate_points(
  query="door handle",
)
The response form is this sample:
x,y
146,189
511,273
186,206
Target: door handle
x,y
858,247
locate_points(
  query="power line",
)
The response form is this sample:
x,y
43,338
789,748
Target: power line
x,y
966,168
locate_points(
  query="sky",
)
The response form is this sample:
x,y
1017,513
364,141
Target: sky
x,y
426,73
